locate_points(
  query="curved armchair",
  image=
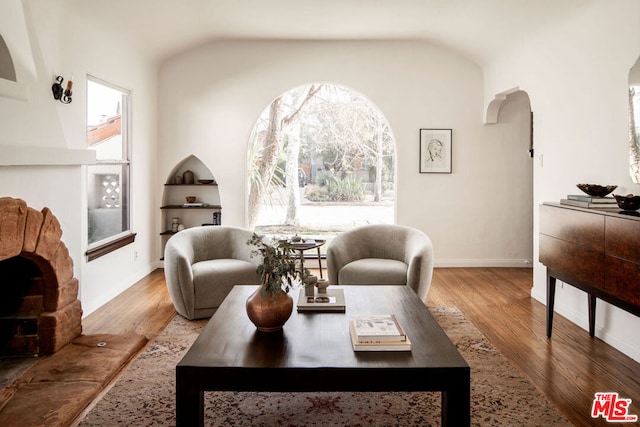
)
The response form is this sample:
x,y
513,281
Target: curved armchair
x,y
202,264
381,254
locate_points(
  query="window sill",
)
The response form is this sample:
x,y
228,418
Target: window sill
x,y
113,245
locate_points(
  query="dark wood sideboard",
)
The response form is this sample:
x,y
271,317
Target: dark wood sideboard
x,y
595,250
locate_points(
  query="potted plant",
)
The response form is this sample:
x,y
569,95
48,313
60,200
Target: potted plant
x,y
271,305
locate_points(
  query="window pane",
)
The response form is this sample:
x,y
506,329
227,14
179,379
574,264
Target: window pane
x,y
108,181
330,169
107,201
105,116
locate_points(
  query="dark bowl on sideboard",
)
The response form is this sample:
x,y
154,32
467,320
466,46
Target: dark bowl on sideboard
x,y
596,190
628,202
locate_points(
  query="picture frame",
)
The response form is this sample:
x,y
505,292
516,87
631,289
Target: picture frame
x,y
435,150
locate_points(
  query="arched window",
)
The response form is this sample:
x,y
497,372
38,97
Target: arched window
x,y
321,160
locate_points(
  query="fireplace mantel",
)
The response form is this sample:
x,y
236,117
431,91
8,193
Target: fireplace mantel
x,y
45,156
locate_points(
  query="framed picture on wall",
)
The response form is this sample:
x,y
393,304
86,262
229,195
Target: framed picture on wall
x,y
435,150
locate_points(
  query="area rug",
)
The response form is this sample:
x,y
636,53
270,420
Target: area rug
x,y
500,395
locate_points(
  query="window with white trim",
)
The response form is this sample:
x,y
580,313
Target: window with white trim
x,y
108,180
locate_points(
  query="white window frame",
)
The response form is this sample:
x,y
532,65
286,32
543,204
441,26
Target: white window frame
x,y
125,237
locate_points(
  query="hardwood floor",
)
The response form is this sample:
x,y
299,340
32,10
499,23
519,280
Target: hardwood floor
x,y
568,369
145,309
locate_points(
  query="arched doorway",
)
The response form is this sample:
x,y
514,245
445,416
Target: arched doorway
x,y
510,112
321,160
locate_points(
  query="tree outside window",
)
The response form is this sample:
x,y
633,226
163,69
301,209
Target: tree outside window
x,y
321,160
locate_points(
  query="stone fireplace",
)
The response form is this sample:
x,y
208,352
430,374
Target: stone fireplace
x,y
39,308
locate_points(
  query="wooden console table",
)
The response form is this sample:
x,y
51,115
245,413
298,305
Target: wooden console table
x,y
595,250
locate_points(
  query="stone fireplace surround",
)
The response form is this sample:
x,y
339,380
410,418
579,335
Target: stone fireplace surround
x,y
36,236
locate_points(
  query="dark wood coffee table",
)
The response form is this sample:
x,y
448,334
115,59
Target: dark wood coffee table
x,y
313,353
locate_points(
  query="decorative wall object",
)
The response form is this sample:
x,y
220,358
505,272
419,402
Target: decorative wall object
x,y
435,150
60,94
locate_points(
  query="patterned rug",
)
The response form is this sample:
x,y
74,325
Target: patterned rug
x,y
500,395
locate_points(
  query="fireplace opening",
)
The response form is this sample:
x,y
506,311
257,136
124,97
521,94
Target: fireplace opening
x,y
39,307
20,307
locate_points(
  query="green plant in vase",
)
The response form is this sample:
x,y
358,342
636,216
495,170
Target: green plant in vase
x,y
271,305
279,265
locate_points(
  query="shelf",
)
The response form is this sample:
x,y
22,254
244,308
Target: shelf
x,y
171,232
213,184
214,207
207,194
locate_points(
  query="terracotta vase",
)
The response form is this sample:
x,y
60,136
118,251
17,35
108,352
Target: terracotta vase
x,y
267,311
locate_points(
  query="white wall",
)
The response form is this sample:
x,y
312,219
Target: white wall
x,y
576,74
49,38
212,96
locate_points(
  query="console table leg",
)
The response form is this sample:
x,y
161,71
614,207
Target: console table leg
x,y
551,296
592,315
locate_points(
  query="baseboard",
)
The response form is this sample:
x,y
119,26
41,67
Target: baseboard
x,y
470,263
447,263
89,306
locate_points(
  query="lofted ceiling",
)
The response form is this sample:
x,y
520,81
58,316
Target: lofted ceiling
x,y
478,29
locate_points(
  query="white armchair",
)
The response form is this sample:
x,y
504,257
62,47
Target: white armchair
x,y
202,264
381,254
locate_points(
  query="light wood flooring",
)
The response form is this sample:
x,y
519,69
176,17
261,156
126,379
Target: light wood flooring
x,y
568,369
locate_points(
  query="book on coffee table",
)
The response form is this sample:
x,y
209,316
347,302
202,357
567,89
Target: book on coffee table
x,y
378,333
378,328
332,300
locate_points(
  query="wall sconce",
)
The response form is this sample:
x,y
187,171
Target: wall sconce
x,y
59,94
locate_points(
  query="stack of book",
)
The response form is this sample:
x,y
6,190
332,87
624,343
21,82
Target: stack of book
x,y
378,333
332,300
194,205
591,202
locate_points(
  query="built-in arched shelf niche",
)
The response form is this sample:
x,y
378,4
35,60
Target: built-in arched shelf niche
x,y
206,210
192,163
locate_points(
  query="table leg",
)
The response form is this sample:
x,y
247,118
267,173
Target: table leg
x,y
189,404
456,406
319,262
592,315
302,261
551,296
